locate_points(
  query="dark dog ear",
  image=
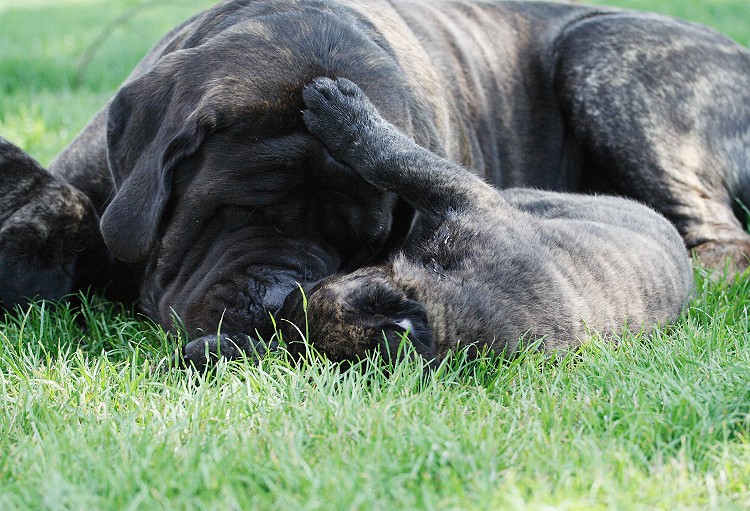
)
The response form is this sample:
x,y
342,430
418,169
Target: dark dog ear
x,y
151,128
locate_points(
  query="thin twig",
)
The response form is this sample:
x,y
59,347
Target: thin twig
x,y
105,33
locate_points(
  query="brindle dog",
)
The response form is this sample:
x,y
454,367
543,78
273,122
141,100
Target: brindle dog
x,y
207,180
497,267
50,245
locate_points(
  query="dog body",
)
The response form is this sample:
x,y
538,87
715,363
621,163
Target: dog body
x,y
499,266
207,180
57,233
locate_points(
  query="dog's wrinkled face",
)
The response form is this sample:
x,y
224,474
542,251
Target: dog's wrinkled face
x,y
251,223
350,316
48,232
223,193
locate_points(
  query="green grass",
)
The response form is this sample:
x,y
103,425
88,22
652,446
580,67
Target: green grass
x,y
727,16
48,92
89,418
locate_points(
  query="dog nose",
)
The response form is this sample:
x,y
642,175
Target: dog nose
x,y
274,297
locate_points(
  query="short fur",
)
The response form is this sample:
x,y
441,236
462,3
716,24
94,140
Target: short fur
x,y
207,180
498,266
49,232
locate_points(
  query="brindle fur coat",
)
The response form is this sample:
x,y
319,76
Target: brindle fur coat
x,y
498,267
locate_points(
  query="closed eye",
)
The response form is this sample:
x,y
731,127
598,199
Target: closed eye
x,y
405,324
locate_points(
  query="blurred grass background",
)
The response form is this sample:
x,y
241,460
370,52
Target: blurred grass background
x,y
43,100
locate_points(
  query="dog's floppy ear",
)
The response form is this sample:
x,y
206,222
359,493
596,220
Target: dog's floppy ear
x,y
152,126
411,320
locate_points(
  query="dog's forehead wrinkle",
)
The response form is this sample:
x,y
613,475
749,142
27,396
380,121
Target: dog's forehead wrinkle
x,y
251,86
262,157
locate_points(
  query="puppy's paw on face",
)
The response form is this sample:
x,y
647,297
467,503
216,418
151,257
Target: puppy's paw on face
x,y
344,119
333,106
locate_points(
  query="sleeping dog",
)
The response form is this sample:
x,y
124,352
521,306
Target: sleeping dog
x,y
495,267
207,181
49,224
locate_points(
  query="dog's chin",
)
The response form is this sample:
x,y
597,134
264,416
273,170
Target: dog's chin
x,y
50,256
23,283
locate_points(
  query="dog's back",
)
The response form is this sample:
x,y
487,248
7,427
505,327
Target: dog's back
x,y
556,267
627,259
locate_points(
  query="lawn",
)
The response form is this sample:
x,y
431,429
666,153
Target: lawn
x,y
90,418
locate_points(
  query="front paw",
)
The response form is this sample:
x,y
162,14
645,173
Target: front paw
x,y
343,118
206,351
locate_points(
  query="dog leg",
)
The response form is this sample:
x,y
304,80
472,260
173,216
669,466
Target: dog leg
x,y
660,111
347,123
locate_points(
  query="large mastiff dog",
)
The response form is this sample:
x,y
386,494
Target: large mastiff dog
x,y
207,181
499,265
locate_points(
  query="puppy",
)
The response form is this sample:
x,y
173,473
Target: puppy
x,y
495,268
48,233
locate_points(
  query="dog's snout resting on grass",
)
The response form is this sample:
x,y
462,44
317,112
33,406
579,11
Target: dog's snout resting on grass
x,y
495,268
50,243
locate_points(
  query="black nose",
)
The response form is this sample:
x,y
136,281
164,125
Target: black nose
x,y
275,296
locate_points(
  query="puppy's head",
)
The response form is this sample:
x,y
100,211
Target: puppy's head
x,y
346,317
48,232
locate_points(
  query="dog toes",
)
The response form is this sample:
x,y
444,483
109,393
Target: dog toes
x,y
729,259
325,87
321,96
350,89
342,117
339,104
204,352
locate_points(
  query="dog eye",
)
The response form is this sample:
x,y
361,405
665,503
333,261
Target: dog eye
x,y
184,172
405,324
